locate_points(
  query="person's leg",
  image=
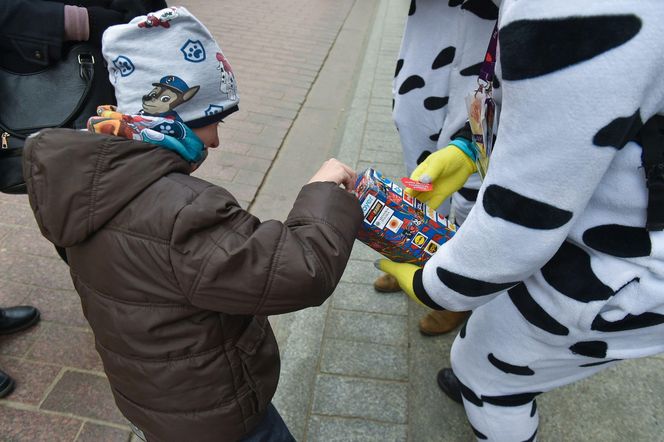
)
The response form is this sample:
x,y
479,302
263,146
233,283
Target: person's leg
x,y
502,363
12,320
437,322
271,429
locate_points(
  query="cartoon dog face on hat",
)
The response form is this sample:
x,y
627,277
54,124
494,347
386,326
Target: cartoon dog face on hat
x,y
170,92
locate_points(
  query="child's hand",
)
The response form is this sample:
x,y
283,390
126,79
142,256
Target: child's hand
x,y
337,172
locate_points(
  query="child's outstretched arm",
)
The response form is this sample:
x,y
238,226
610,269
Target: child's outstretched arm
x,y
226,260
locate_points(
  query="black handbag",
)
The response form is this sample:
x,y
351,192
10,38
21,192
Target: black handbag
x,y
65,94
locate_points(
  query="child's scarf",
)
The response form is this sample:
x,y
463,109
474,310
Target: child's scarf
x,y
164,132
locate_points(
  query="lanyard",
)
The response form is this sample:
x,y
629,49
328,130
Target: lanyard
x,y
489,64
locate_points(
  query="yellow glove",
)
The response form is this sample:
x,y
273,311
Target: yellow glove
x,y
447,169
402,272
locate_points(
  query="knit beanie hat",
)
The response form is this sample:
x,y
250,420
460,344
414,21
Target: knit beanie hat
x,y
167,64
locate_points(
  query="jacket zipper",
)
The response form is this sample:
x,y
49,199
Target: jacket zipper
x,y
5,143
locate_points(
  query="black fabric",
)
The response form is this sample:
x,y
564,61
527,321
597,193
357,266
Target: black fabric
x,y
619,131
469,286
532,48
468,194
513,207
444,57
31,41
570,272
410,83
211,119
435,103
629,322
508,368
652,157
465,132
75,87
421,293
617,240
591,349
101,19
534,313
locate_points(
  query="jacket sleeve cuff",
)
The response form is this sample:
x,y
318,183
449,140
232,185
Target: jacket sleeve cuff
x,y
328,203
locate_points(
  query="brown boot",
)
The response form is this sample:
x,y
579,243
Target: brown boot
x,y
443,321
386,283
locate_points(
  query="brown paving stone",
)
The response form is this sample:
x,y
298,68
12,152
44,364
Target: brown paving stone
x,y
18,344
4,231
12,293
40,271
18,213
30,241
32,379
85,395
102,433
68,346
62,306
33,426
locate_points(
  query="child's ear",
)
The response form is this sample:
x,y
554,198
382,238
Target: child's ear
x,y
190,93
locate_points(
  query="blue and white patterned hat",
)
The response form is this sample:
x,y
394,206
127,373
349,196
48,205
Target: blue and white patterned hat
x,y
168,64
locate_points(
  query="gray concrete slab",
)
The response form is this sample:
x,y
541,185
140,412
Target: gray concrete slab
x,y
360,397
363,298
335,429
376,361
367,327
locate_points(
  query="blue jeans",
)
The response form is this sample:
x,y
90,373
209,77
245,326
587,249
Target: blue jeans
x,y
271,429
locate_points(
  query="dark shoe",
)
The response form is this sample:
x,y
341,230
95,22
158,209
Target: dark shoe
x,y
448,382
438,322
6,384
19,318
387,284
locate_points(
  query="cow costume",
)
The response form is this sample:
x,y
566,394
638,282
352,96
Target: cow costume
x,y
554,259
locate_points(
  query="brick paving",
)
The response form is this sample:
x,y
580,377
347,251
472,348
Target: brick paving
x,y
276,50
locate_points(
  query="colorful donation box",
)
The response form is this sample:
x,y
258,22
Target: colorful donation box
x,y
397,225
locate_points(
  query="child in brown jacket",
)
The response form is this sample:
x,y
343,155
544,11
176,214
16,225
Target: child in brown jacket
x,y
175,278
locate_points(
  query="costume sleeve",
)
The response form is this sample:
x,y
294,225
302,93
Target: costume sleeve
x,y
33,29
567,109
227,260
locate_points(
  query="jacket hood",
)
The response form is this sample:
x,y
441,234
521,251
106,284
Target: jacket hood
x,y
77,181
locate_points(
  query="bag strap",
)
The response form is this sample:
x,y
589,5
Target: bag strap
x,y
652,158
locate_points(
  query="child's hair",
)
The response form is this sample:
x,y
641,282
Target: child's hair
x,y
167,64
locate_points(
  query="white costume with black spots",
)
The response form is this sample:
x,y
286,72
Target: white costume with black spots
x,y
441,53
554,258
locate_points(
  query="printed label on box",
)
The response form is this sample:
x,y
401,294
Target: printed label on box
x,y
432,247
366,204
419,240
383,217
396,228
394,223
373,212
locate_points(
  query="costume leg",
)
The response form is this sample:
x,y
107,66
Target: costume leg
x,y
504,362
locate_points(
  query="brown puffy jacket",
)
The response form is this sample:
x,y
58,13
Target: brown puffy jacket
x,y
176,279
